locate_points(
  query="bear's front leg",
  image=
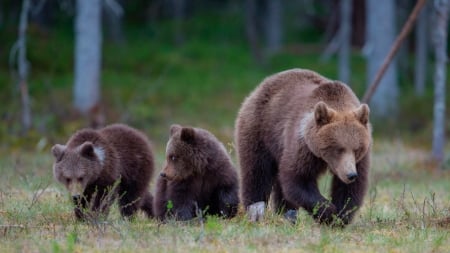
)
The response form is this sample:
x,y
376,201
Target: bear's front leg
x,y
348,198
302,191
228,201
160,201
183,205
184,210
80,207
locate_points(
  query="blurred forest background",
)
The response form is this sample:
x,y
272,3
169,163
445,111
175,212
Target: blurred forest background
x,y
67,64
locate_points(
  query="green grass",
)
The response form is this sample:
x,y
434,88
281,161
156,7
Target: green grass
x,y
150,83
404,211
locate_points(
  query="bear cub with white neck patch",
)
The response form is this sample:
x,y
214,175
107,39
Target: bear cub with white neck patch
x,y
97,166
295,126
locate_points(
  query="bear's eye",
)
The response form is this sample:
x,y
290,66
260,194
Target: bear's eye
x,y
172,158
340,151
80,179
68,180
357,152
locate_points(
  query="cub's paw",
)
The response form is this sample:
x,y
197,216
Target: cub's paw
x,y
255,211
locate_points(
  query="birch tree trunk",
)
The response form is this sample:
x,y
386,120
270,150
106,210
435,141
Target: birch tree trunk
x,y
440,52
420,72
379,38
345,40
88,41
23,66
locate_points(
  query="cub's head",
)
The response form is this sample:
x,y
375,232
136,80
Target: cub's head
x,y
76,167
184,156
341,139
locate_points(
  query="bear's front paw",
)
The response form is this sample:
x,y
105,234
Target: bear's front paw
x,y
80,214
325,213
183,214
291,215
256,211
229,210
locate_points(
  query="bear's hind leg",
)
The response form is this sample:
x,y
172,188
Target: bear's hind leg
x,y
228,201
278,202
258,172
129,201
147,204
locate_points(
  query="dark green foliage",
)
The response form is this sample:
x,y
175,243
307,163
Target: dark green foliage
x,y
150,82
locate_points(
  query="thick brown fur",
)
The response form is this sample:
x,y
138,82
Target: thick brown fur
x,y
292,127
117,158
198,176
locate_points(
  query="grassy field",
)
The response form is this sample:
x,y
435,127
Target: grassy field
x,y
151,83
405,211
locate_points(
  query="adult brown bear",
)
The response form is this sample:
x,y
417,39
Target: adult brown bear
x,y
291,128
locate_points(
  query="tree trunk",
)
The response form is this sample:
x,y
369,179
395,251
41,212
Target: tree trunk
x,y
251,30
420,72
273,26
2,15
113,18
344,40
440,52
23,65
379,38
88,46
359,23
179,13
403,10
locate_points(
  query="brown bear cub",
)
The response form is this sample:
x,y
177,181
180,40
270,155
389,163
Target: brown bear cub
x,y
294,126
97,166
198,177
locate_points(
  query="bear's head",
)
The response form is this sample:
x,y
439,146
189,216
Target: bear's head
x,y
184,156
76,167
340,138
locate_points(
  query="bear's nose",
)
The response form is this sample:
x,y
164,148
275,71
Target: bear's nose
x,y
352,176
162,174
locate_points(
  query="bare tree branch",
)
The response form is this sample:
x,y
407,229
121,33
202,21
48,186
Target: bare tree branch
x,y
345,31
398,41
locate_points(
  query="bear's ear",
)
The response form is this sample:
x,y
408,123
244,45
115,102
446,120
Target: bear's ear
x,y
362,114
174,128
187,134
322,113
87,150
57,151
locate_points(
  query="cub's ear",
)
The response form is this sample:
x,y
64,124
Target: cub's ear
x,y
87,150
57,151
323,114
362,113
187,134
174,128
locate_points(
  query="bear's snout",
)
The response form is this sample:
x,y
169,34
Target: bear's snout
x,y
352,176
